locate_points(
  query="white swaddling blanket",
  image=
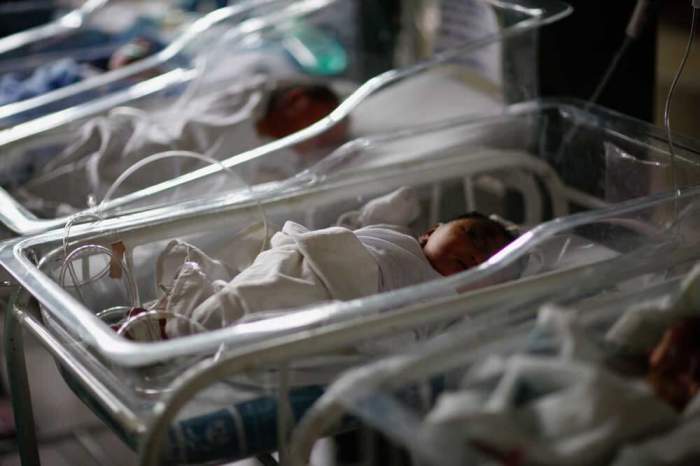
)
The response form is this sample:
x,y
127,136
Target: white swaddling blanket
x,y
642,326
678,447
551,411
563,408
305,267
219,124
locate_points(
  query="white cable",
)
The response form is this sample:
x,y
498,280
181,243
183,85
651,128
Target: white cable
x,y
667,107
634,29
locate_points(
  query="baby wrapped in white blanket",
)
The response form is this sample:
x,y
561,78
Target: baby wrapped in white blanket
x,y
568,407
241,116
304,267
216,125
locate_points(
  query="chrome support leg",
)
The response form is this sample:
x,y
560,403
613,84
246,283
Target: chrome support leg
x,y
19,388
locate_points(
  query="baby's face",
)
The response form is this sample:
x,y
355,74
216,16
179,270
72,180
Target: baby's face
x,y
462,244
297,109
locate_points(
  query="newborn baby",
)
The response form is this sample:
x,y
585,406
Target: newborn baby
x,y
304,267
294,107
674,364
244,115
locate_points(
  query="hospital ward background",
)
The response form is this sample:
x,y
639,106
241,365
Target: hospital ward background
x,y
349,232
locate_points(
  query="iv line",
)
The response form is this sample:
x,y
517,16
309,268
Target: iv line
x,y
667,115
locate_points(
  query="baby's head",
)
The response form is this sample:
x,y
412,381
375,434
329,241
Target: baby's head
x,y
674,363
463,243
133,51
293,108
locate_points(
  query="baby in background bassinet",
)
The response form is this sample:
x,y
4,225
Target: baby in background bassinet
x,y
304,267
219,124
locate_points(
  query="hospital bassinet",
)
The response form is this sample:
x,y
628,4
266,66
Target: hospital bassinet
x,y
86,35
513,164
420,399
460,81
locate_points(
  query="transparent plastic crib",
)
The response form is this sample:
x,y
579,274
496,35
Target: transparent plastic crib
x,y
574,378
168,61
81,42
513,164
372,105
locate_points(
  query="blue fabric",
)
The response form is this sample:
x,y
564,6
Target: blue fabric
x,y
215,436
243,429
250,428
14,87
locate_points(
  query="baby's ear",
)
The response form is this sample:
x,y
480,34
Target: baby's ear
x,y
423,238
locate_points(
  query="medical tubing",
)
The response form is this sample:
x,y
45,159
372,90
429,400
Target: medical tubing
x,y
609,71
635,27
597,92
184,154
66,235
640,17
146,161
129,283
667,109
69,224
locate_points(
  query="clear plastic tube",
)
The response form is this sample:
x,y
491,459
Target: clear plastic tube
x,y
667,109
90,249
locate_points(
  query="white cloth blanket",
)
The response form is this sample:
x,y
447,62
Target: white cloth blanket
x,y
641,327
304,267
218,124
677,447
562,408
550,411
